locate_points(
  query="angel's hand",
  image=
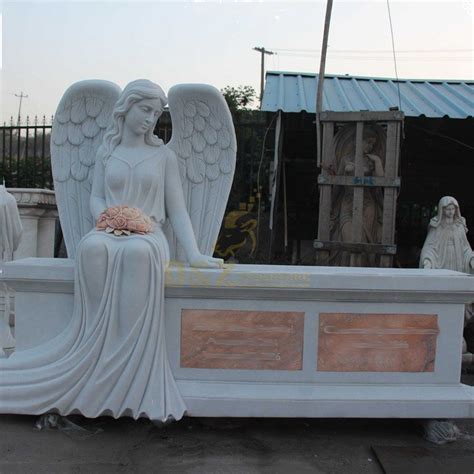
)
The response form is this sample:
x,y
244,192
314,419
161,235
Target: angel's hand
x,y
373,158
349,168
427,264
204,261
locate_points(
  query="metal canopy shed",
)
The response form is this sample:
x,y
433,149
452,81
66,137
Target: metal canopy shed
x,y
436,157
296,92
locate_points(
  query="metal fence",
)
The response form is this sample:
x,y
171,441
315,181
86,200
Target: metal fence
x,y
25,158
252,153
25,162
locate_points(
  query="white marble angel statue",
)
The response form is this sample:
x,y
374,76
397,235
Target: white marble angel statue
x,y
111,359
446,245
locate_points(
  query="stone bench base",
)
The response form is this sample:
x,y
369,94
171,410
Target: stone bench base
x,y
286,341
222,399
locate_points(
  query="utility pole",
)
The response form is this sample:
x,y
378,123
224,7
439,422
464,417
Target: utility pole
x,y
263,51
322,67
21,96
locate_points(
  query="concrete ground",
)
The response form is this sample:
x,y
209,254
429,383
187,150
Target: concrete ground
x,y
208,445
205,445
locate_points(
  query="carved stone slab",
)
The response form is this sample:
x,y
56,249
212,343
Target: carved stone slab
x,y
228,339
352,342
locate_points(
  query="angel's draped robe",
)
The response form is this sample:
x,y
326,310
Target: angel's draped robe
x,y
111,359
446,246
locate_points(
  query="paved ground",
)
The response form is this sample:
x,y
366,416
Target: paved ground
x,y
198,445
206,445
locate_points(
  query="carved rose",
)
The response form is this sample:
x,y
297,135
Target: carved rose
x,y
113,211
131,212
102,218
118,222
124,220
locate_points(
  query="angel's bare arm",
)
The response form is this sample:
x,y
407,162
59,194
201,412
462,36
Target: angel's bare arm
x,y
97,202
379,171
349,168
179,217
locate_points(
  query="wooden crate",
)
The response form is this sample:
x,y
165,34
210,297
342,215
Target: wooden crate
x,y
333,123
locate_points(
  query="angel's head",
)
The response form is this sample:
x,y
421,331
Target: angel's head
x,y
448,208
448,212
369,140
139,98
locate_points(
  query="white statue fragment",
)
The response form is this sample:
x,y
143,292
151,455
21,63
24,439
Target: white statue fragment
x,y
10,225
446,245
10,234
112,358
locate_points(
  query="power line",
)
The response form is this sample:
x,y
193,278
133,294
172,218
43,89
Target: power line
x,y
442,135
381,58
375,50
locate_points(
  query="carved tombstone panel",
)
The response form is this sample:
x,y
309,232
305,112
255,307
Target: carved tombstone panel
x,y
351,342
230,339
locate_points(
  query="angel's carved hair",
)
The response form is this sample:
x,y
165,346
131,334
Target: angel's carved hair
x,y
133,93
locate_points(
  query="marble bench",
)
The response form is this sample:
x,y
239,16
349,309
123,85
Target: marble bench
x,y
288,341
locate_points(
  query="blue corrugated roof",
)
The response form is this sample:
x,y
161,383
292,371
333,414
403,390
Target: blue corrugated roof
x,y
295,92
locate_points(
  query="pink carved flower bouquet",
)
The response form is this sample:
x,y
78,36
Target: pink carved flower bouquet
x,y
124,220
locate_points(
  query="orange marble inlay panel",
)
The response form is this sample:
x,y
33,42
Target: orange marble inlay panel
x,y
228,339
352,342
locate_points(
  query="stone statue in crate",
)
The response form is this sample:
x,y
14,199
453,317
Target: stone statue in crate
x,y
342,213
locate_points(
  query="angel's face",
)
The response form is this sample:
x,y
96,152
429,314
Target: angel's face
x,y
143,115
369,144
449,211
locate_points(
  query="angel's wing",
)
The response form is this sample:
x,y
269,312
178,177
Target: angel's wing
x,y
82,116
204,141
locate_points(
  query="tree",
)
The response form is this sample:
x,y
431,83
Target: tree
x,y
239,98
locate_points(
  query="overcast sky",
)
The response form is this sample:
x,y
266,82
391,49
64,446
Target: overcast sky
x,y
46,46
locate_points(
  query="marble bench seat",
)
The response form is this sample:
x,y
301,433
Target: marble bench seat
x,y
251,340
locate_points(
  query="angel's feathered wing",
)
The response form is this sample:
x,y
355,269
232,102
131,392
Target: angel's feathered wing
x,y
204,141
79,125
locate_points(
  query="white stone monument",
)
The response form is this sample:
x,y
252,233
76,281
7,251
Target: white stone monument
x,y
117,331
38,214
110,169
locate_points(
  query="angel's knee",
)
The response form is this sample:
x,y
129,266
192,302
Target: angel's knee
x,y
137,253
93,248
